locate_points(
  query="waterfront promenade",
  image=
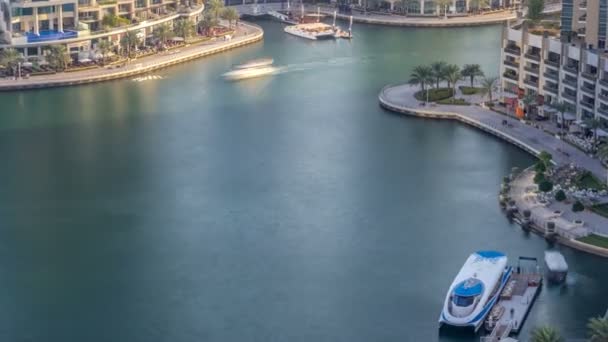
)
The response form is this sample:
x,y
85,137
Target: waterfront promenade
x,y
245,34
400,98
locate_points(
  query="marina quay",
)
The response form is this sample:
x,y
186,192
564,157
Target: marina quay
x,y
303,171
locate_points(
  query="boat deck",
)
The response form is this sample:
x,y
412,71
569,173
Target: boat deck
x,y
517,298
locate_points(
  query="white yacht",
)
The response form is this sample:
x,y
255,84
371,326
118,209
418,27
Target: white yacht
x,y
313,31
475,289
251,69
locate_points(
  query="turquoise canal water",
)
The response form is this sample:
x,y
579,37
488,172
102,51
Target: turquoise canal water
x,y
289,208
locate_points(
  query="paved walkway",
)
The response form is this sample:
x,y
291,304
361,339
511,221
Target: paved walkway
x,y
400,98
246,34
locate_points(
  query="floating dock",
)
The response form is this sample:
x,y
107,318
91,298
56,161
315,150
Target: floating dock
x,y
516,298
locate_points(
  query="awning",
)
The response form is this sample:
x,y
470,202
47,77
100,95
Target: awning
x,y
569,117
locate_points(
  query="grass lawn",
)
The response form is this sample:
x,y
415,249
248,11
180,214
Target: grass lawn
x,y
589,181
600,209
469,90
452,101
595,240
435,94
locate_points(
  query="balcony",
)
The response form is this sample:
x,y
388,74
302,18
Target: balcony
x,y
532,56
551,89
589,76
570,82
603,110
511,76
531,82
604,82
603,97
588,89
569,96
551,75
589,105
514,50
554,64
532,69
511,63
571,69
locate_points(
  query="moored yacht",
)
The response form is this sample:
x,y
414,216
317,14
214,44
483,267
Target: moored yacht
x,y
475,289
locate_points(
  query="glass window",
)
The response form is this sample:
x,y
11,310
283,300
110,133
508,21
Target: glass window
x,y
463,301
67,7
27,11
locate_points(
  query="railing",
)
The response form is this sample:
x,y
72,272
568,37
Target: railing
x,y
588,89
33,38
589,105
570,82
571,97
532,56
513,50
550,88
603,111
571,69
511,63
552,63
510,76
589,75
603,97
532,69
551,75
604,82
531,82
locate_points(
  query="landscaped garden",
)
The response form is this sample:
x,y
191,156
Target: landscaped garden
x,y
595,240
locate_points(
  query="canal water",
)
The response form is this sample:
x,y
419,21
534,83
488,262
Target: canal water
x,y
288,208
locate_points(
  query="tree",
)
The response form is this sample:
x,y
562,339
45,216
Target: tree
x,y
438,70
183,28
230,14
445,5
215,7
479,4
163,33
421,75
598,329
593,124
207,23
545,334
539,177
561,108
487,86
452,75
535,9
129,41
560,195
104,47
545,158
578,206
10,59
472,71
602,153
58,57
540,167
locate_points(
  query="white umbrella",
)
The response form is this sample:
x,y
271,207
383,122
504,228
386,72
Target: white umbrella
x,y
84,60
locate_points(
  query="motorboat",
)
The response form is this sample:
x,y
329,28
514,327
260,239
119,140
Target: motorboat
x,y
475,289
557,268
254,68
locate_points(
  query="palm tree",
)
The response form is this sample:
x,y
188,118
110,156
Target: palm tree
x,y
183,28
104,47
453,75
230,14
215,7
207,23
438,71
598,329
472,71
487,86
129,41
444,4
421,75
10,58
545,334
163,33
58,57
561,108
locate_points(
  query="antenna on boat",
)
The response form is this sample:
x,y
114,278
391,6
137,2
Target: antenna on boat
x,y
335,13
318,13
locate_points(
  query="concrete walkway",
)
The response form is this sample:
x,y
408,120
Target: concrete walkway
x,y
245,34
400,98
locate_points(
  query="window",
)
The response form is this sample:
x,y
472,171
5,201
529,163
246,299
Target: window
x,y
463,301
67,7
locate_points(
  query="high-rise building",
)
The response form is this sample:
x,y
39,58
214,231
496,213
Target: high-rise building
x,y
584,21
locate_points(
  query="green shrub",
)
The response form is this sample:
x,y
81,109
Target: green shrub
x,y
578,206
560,195
453,101
434,94
539,177
540,167
545,186
469,90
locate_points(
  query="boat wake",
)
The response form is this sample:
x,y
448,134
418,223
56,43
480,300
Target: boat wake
x,y
333,62
147,78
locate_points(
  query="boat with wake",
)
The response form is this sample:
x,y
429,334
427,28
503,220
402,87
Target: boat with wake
x,y
475,289
254,68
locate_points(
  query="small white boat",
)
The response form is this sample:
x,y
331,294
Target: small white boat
x,y
251,69
475,289
313,31
557,268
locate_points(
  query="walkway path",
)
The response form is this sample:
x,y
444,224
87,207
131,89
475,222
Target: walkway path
x,y
246,34
400,98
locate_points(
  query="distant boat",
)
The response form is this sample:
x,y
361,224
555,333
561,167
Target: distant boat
x,y
557,267
475,289
254,68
